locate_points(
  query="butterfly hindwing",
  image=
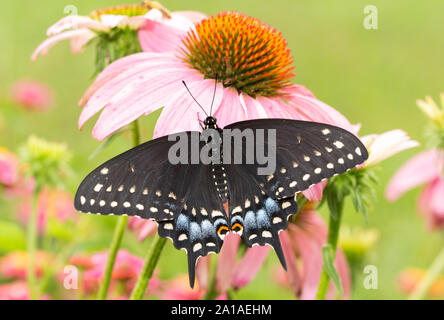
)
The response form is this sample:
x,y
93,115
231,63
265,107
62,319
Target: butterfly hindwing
x,y
254,215
202,224
306,153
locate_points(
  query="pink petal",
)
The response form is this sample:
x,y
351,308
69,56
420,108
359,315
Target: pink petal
x,y
182,112
293,275
203,272
74,22
385,145
309,245
311,109
230,109
421,169
148,228
193,16
431,204
227,259
160,34
314,193
249,266
48,43
343,270
79,43
114,69
309,234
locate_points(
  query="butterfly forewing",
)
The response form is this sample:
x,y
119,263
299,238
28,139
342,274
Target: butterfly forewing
x,y
306,153
138,182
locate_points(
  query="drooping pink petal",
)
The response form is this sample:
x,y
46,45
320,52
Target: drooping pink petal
x,y
309,244
293,275
151,91
74,22
431,204
203,272
77,44
43,48
308,235
420,169
343,270
385,145
227,259
314,193
114,69
248,267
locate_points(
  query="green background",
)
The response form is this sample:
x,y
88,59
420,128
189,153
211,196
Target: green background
x,y
371,76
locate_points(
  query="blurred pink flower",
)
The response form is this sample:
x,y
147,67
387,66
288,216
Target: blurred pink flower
x,y
81,260
142,227
127,266
179,289
32,95
425,168
385,145
57,204
9,167
159,30
230,272
23,187
304,240
139,84
15,264
17,290
126,270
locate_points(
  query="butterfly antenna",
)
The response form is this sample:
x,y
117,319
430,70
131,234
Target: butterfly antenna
x,y
194,97
214,94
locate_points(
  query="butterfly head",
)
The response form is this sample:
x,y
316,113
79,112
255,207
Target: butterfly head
x,y
210,123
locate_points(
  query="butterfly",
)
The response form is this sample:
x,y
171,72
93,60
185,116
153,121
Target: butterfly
x,y
187,199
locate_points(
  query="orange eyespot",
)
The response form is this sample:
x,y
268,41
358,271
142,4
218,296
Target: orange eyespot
x,y
236,227
222,230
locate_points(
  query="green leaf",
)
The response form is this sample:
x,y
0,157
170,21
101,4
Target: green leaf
x,y
327,255
12,237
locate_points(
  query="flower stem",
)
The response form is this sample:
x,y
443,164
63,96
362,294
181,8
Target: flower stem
x,y
115,245
118,231
148,268
212,292
332,239
423,287
31,244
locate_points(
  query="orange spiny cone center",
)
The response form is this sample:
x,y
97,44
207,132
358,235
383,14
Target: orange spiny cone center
x,y
242,51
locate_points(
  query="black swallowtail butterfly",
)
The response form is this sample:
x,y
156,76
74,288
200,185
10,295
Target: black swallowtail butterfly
x,y
187,199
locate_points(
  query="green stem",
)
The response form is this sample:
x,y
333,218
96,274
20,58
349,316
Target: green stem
x,y
211,292
113,249
434,271
332,239
31,244
148,268
118,232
